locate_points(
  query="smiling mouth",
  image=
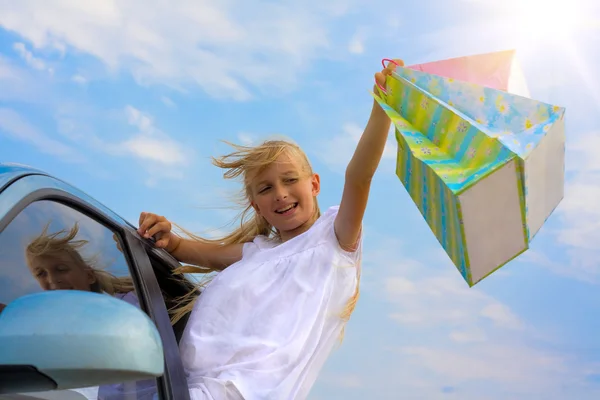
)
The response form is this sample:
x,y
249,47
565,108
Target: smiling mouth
x,y
286,209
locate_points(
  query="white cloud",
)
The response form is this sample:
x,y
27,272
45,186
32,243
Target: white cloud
x,y
227,48
18,84
501,316
155,149
148,144
578,234
430,296
579,214
161,156
582,154
579,264
140,120
337,151
16,126
246,139
252,139
7,71
30,59
157,173
462,337
423,302
519,367
394,21
168,102
151,143
357,42
344,380
79,79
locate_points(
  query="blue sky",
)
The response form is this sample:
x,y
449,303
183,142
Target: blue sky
x,y
128,100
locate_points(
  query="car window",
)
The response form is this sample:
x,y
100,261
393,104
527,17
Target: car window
x,y
50,246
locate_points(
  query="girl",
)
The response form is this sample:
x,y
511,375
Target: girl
x,y
264,326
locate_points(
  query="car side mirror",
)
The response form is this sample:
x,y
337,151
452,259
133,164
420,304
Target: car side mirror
x,y
65,339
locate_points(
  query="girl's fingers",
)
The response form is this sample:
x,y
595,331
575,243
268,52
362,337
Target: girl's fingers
x,y
147,222
380,78
391,66
142,217
161,227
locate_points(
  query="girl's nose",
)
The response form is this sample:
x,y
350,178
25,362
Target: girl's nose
x,y
280,193
53,279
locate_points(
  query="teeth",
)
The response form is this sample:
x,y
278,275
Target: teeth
x,y
282,210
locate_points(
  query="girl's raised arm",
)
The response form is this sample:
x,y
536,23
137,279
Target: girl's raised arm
x,y
360,172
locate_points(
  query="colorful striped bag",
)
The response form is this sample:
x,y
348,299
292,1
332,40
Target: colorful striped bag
x,y
485,167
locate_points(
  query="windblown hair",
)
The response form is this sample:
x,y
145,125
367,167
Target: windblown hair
x,y
247,162
64,241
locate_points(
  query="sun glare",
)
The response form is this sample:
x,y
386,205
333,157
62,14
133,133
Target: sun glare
x,y
548,19
563,24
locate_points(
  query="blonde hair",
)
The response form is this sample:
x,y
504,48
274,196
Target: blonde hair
x,y
246,162
64,241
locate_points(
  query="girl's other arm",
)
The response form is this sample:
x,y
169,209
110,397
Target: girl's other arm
x,y
210,255
360,172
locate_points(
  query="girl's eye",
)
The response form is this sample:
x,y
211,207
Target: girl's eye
x,y
291,180
264,189
62,267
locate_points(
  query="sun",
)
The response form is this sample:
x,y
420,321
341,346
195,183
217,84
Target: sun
x,y
554,20
549,29
534,26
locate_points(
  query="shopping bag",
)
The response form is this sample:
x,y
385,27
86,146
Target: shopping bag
x,y
485,167
499,70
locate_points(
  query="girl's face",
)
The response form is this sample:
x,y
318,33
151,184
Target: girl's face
x,y
61,272
284,194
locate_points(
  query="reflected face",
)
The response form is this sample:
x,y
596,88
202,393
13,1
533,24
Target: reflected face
x,y
61,272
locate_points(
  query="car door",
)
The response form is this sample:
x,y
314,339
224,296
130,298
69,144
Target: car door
x,y
173,287
53,236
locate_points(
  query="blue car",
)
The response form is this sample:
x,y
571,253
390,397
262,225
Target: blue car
x,y
84,300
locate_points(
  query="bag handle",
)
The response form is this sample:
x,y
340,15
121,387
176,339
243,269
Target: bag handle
x,y
383,63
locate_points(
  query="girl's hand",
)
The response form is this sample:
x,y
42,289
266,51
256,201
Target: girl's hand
x,y
158,227
380,77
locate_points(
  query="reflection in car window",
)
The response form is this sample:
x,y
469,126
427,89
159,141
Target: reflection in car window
x,y
50,246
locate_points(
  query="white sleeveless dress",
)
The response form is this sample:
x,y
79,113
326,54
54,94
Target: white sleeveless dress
x,y
264,327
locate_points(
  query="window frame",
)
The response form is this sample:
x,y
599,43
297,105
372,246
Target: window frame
x,y
172,385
